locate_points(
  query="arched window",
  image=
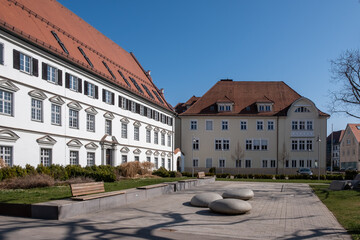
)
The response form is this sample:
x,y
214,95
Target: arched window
x,y
302,109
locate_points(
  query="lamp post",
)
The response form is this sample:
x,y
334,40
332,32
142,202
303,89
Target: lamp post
x,y
192,161
318,140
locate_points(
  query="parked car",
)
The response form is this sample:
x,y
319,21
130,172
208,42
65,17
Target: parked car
x,y
305,171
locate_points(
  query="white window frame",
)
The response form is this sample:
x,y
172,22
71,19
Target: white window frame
x,y
238,163
46,156
90,90
136,133
55,114
264,163
90,122
208,162
248,163
90,159
6,103
36,110
193,125
156,137
74,157
73,83
148,136
25,63
123,158
73,118
243,125
207,127
108,97
196,144
169,141
163,139
224,125
124,130
226,145
52,74
222,163
6,153
272,163
108,127
259,125
270,125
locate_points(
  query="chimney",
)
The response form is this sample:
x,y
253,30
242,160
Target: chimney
x,y
162,92
148,74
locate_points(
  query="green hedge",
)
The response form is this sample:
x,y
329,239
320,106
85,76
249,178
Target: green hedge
x,y
58,172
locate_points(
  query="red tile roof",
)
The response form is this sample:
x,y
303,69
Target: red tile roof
x,y
182,107
33,21
246,95
355,130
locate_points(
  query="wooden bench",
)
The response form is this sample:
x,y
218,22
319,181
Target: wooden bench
x,y
153,186
92,190
201,175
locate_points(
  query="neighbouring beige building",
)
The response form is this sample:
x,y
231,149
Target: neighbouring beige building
x,y
251,127
349,147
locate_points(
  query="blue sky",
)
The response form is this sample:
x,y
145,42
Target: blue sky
x,y
191,44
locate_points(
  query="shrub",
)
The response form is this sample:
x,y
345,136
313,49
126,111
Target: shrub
x,y
212,170
41,169
178,175
161,172
335,177
11,172
172,174
187,174
130,169
30,170
350,174
75,171
29,181
58,172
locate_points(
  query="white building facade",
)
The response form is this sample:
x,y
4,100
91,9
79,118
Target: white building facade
x,y
57,109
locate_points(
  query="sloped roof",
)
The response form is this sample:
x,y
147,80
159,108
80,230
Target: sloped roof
x,y
246,95
33,21
355,128
182,107
336,136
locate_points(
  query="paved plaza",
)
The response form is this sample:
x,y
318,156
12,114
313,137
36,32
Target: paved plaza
x,y
279,211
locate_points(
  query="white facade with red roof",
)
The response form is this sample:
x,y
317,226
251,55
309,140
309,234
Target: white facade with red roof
x,y
69,95
350,147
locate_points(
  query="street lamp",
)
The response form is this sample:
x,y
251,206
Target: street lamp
x,y
192,161
318,140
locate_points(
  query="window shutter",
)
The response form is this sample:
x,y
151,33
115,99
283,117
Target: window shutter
x,y
35,67
79,85
137,108
67,80
103,95
2,54
145,111
44,71
59,72
16,59
128,104
96,92
119,103
85,87
112,98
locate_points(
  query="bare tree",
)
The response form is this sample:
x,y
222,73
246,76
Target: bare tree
x,y
238,155
346,71
284,156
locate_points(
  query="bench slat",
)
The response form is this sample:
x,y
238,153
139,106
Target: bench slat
x,y
99,195
87,188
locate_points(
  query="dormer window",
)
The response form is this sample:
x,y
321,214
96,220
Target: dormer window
x,y
264,107
225,107
302,109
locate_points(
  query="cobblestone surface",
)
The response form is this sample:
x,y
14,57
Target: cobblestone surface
x,y
279,211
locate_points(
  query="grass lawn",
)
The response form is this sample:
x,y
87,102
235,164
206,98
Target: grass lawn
x,y
36,195
277,180
345,205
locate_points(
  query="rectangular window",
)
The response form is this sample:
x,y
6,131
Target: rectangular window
x,y
156,162
301,145
226,145
36,110
73,83
90,123
272,163
247,163
193,125
294,145
45,156
123,130
156,137
5,102
169,164
259,125
301,163
1,53
238,163
52,74
301,125
55,114
264,163
243,125
270,125
169,141
25,63
309,125
309,163
136,133
221,163
163,139
218,144
264,144
294,125
256,144
195,162
136,158
148,159
108,97
209,125
293,163
123,158
6,154
108,126
90,159
287,165
224,125
148,136
163,162
73,118
209,163
90,90
248,144
195,144
74,158
309,145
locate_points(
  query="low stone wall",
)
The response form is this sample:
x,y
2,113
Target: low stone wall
x,y
66,208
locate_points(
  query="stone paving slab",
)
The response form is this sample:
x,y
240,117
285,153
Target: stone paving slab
x,y
280,211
